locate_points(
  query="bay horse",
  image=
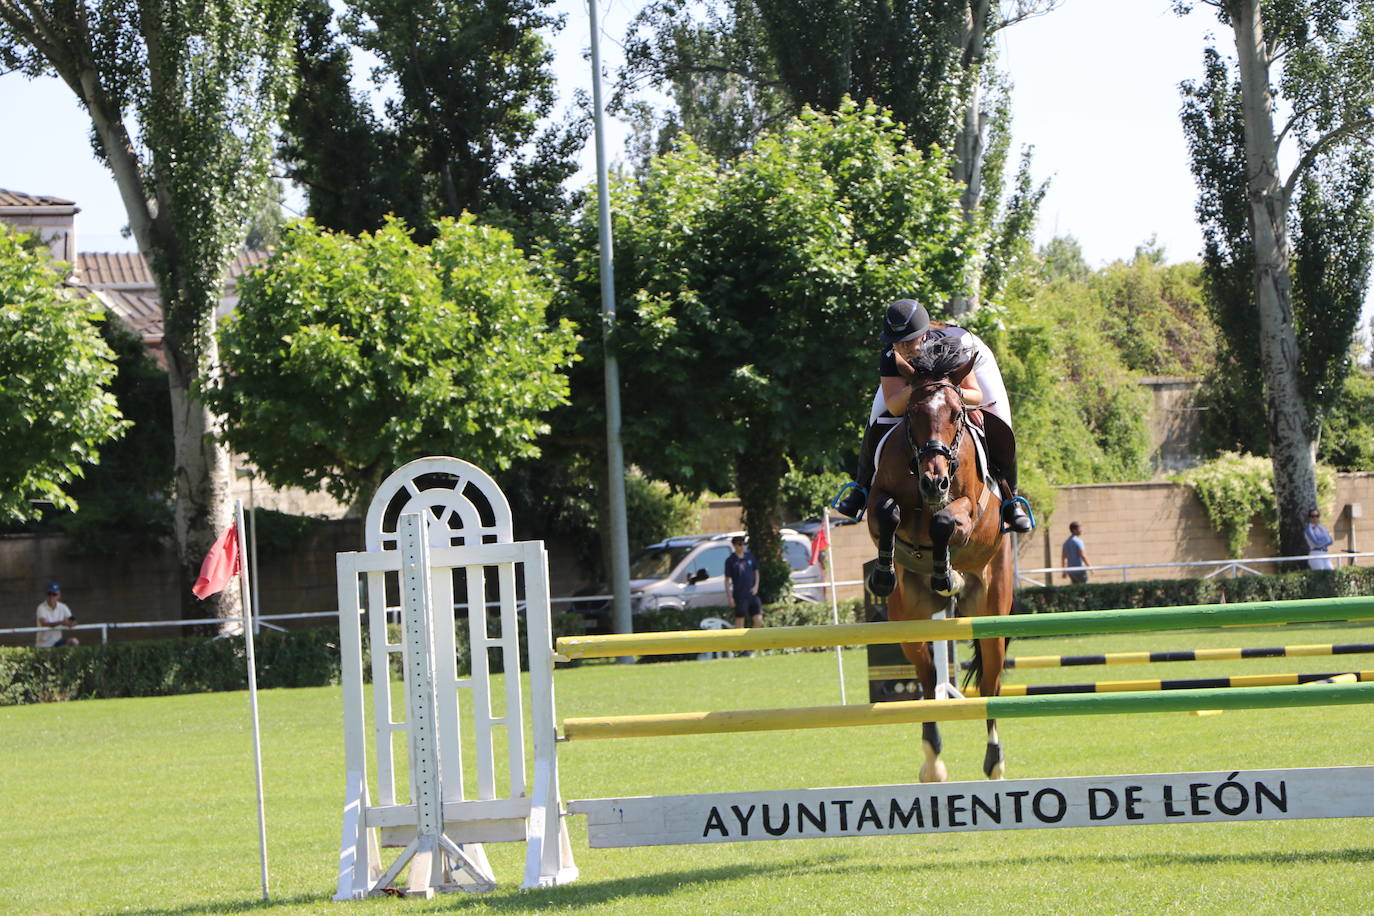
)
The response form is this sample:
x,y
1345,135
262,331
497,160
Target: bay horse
x,y
932,511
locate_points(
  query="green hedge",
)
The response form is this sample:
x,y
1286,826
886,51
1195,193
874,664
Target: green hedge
x,y
1100,596
296,658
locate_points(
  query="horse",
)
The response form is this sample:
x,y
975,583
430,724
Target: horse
x,y
931,510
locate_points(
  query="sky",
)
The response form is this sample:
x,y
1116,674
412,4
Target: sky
x,y
1095,93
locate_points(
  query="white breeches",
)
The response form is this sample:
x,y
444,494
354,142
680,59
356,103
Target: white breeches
x,y
985,372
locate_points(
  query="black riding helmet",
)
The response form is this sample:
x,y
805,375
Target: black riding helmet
x,y
904,319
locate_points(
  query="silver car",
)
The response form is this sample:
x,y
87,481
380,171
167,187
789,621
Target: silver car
x,y
689,571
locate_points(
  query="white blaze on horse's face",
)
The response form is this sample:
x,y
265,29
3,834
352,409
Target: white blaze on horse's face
x,y
938,420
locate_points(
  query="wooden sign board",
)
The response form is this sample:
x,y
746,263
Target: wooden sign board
x,y
1022,804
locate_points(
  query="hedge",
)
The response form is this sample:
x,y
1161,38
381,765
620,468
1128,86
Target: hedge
x,y
296,658
1348,581
310,658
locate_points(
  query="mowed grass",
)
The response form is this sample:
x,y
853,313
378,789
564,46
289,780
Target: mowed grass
x,y
148,805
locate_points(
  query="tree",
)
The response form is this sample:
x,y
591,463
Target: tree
x,y
748,296
127,494
183,99
351,355
461,133
748,63
55,410
1246,205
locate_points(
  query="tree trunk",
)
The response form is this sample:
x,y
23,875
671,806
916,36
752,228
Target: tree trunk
x,y
969,142
758,476
1285,413
203,508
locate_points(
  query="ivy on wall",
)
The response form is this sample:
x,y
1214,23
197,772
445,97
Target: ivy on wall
x,y
1235,490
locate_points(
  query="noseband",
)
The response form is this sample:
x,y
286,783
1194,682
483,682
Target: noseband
x,y
935,446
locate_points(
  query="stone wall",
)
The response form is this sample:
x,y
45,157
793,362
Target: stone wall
x,y
1133,523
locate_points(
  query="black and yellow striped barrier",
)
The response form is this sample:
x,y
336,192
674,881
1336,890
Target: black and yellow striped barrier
x,y
1188,655
908,711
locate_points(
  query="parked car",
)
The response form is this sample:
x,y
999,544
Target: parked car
x,y
689,571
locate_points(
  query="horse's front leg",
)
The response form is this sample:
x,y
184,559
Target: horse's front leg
x,y
883,519
993,653
949,524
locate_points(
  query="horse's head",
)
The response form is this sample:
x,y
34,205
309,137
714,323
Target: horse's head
x,y
936,418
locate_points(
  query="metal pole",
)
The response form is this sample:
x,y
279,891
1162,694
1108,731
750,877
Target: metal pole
x,y
834,601
245,592
615,459
253,551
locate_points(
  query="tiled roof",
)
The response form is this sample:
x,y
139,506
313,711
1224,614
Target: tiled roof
x,y
103,269
20,199
113,268
141,314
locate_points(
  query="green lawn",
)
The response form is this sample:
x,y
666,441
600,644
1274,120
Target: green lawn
x,y
147,805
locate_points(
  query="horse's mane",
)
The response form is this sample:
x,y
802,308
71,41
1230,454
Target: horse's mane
x,y
937,358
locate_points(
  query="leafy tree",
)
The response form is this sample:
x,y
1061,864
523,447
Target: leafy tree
x,y
1347,441
461,132
351,355
744,64
1303,300
128,492
746,326
55,410
183,99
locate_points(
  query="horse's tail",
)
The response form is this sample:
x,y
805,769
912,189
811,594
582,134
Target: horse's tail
x,y
975,665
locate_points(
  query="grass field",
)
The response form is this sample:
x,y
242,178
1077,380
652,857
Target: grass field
x,y
147,805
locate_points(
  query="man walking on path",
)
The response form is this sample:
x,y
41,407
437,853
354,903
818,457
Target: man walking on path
x,y
1074,555
742,585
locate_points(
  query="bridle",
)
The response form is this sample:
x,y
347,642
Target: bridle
x,y
934,447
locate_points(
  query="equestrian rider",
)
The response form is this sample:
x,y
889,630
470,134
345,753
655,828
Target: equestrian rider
x,y
906,326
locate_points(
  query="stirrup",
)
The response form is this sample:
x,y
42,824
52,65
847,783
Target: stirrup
x,y
858,515
1011,502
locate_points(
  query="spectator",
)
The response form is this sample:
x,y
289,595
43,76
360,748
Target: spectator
x,y
1073,555
1318,540
53,614
742,585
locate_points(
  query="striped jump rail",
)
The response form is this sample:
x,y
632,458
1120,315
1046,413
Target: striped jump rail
x,y
1187,655
909,711
1194,683
1064,624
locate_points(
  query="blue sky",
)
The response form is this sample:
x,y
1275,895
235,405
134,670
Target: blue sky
x,y
1096,94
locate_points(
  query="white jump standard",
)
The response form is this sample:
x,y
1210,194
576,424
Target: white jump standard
x,y
434,522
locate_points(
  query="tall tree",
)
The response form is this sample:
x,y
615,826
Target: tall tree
x,y
753,286
183,99
1246,204
461,131
926,60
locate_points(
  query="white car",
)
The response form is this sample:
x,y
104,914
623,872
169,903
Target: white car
x,y
689,571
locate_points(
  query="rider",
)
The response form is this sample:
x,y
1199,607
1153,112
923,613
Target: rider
x,y
906,325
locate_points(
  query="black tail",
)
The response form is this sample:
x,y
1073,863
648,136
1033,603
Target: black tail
x,y
975,666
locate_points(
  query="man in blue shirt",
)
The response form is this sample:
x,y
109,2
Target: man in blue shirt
x,y
742,585
1073,554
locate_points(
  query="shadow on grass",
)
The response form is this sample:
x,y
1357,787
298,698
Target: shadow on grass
x,y
591,893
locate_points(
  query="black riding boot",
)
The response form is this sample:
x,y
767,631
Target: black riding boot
x,y
1002,454
854,497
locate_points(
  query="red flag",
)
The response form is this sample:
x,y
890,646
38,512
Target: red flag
x,y
819,543
221,564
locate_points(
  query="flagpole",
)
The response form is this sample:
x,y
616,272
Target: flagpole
x,y
834,602
245,589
